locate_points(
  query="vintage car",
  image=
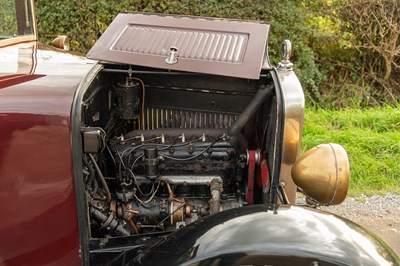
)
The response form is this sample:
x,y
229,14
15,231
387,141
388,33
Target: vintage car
x,y
173,142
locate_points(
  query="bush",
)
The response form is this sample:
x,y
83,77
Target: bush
x,y
8,23
358,41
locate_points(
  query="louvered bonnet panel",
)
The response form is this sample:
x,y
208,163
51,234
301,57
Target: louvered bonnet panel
x,y
195,44
210,46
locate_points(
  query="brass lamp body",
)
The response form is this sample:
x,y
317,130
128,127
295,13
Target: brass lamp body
x,y
323,173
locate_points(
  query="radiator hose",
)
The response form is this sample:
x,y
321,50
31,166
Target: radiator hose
x,y
262,94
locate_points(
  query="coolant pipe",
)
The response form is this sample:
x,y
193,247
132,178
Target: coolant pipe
x,y
215,189
261,95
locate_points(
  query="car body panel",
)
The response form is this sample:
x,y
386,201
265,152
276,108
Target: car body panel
x,y
274,234
39,225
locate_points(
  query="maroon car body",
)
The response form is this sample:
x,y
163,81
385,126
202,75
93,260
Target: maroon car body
x,y
65,195
39,223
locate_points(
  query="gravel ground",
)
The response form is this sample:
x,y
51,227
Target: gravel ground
x,y
380,214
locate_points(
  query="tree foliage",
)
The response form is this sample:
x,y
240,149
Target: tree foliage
x,y
374,31
361,46
8,22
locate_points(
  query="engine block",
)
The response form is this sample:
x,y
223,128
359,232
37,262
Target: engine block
x,y
166,178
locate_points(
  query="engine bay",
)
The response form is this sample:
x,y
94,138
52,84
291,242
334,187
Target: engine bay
x,y
164,149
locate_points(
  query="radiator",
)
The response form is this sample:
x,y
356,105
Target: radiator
x,y
155,118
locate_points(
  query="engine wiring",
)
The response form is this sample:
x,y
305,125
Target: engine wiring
x,y
102,180
194,156
151,197
90,182
138,186
129,151
125,157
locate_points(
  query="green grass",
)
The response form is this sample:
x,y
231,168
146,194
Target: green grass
x,y
371,138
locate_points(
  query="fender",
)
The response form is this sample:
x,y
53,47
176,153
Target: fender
x,y
276,235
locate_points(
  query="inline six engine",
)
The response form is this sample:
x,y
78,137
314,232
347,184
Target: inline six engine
x,y
161,154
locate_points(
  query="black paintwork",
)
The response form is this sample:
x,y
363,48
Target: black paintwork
x,y
270,235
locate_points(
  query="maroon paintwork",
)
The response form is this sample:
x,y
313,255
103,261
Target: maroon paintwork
x,y
16,79
39,222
